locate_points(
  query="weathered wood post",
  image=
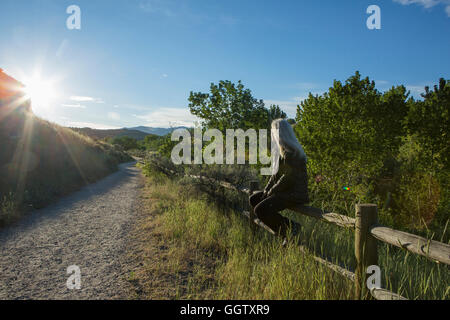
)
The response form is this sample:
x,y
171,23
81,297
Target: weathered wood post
x,y
365,247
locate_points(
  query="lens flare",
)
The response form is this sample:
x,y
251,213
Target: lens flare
x,y
41,92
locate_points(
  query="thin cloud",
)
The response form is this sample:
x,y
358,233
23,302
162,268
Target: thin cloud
x,y
424,3
137,107
80,106
86,99
427,3
81,98
416,90
382,82
114,115
288,106
166,117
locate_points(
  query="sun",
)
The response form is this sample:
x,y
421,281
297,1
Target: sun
x,y
40,91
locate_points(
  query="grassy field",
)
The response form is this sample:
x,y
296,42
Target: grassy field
x,y
214,254
41,161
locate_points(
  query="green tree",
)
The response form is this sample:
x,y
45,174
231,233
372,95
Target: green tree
x,y
151,142
353,128
429,121
291,121
228,106
127,143
275,113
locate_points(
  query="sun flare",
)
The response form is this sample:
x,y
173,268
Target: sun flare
x,y
41,92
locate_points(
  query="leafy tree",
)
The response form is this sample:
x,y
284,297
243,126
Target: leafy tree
x,y
353,128
166,145
151,142
429,121
275,113
291,121
127,143
228,106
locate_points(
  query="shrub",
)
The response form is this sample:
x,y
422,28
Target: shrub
x,y
9,209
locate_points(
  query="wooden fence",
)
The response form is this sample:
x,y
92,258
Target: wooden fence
x,y
367,232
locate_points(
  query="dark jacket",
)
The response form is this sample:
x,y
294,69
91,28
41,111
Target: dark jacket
x,y
291,180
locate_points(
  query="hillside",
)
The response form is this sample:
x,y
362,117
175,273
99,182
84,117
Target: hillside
x,y
41,161
156,131
138,133
102,134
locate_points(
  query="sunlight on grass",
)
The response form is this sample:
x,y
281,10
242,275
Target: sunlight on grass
x,y
256,266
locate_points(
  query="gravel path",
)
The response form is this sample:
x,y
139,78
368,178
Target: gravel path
x,y
89,229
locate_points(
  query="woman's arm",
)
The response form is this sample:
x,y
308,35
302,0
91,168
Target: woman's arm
x,y
270,183
284,183
287,179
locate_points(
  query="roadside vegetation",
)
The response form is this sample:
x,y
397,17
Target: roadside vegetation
x,y
41,161
211,252
363,146
109,134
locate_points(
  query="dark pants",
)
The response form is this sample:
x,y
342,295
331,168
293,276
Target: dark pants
x,y
267,208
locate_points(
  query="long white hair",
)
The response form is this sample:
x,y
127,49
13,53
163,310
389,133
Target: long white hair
x,y
286,139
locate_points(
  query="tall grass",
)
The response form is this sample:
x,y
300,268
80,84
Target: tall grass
x,y
254,265
41,161
9,208
248,265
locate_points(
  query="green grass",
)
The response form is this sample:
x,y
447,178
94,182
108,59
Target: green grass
x,y
9,208
255,265
410,275
41,161
248,265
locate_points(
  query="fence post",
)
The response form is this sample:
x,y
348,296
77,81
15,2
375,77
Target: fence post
x,y
365,247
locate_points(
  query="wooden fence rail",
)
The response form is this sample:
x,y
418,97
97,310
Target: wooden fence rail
x,y
433,250
367,233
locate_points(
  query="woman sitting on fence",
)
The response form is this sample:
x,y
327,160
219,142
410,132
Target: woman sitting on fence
x,y
288,185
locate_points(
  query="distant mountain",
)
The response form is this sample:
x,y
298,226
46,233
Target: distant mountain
x,y
101,134
156,131
138,133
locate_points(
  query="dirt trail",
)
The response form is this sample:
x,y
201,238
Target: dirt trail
x,y
89,229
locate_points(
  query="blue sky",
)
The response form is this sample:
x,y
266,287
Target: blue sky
x,y
134,62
